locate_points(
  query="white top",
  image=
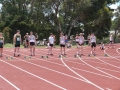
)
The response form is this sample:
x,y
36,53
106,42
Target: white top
x,y
111,38
81,39
77,39
51,40
62,40
32,38
93,39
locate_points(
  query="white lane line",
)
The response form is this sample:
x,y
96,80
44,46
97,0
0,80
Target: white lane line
x,y
9,82
99,69
108,89
81,76
108,69
91,72
39,59
48,69
110,55
106,62
34,75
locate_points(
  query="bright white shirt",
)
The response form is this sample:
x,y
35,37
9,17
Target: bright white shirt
x,y
32,38
51,40
77,39
62,40
81,39
93,39
111,38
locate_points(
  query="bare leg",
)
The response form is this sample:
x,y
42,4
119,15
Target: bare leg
x,y
34,50
18,48
14,51
31,50
61,50
64,50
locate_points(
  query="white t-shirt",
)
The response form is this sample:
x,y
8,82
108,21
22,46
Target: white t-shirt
x,y
77,39
111,38
93,39
32,38
81,39
51,40
62,40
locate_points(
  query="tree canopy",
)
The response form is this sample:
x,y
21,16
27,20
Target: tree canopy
x,y
45,16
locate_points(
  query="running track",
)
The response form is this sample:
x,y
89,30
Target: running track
x,y
85,73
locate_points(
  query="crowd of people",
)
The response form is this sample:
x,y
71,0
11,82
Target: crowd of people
x,y
30,41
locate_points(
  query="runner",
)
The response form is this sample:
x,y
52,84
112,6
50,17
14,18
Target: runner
x,y
66,39
93,43
51,43
32,43
1,44
81,42
111,41
26,40
17,42
77,40
62,43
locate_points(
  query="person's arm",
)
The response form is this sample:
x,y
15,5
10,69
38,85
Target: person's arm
x,y
83,39
14,39
20,40
35,41
29,40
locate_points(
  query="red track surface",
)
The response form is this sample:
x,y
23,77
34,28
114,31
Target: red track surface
x,y
85,73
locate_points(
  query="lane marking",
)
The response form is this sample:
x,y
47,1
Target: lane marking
x,y
108,69
49,69
99,69
33,75
9,83
91,72
80,75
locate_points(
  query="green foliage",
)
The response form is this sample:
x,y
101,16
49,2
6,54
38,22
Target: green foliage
x,y
46,16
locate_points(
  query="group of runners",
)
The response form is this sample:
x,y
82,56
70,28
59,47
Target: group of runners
x,y
31,43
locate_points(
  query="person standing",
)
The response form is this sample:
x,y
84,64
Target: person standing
x,y
51,43
62,43
111,41
93,43
1,44
88,38
26,40
17,42
77,40
81,43
32,43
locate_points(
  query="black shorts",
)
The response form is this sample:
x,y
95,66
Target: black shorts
x,y
32,43
17,45
27,41
51,45
77,42
93,44
61,45
81,44
111,42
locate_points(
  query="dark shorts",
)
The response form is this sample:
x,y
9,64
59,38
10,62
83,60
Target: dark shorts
x,y
61,45
32,43
17,45
77,42
111,42
93,44
51,45
81,44
27,41
1,46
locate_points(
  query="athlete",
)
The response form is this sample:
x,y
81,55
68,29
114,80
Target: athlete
x,y
32,43
62,43
93,43
51,43
111,41
77,40
81,42
1,44
102,46
26,40
17,42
